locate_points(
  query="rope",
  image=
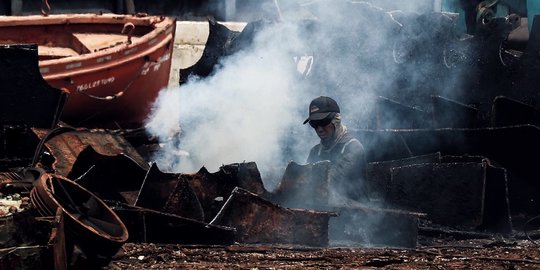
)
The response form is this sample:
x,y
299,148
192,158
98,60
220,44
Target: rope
x,y
45,8
123,91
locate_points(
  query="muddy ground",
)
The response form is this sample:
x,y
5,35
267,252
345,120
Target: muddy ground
x,y
495,253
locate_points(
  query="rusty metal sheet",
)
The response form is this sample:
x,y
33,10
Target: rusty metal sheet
x,y
379,173
170,193
510,112
67,146
25,97
450,193
511,147
368,226
448,113
454,194
150,226
299,185
260,221
213,188
116,177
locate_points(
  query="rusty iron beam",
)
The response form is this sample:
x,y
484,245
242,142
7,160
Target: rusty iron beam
x,y
151,226
260,221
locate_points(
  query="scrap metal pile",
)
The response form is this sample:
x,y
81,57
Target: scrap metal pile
x,y
84,193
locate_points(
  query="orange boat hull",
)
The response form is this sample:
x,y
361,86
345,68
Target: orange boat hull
x,y
112,66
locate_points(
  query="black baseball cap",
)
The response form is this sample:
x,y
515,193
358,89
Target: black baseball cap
x,y
321,107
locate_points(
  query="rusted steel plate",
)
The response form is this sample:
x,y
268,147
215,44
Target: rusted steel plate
x,y
510,147
170,193
392,114
213,188
116,177
510,112
455,194
260,221
303,186
450,193
370,226
452,114
150,226
379,173
25,97
67,146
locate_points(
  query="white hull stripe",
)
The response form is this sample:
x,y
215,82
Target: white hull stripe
x,y
74,65
104,59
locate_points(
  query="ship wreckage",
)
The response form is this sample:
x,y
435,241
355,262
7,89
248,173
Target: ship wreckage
x,y
71,194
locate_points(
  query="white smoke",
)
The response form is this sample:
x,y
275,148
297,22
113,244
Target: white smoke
x,y
251,109
241,113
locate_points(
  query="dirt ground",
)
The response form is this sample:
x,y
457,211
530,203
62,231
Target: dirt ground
x,y
439,254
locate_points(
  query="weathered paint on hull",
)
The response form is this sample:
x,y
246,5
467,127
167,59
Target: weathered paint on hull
x,y
124,92
110,84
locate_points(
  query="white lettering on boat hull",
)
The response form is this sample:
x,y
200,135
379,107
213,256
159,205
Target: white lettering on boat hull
x,y
94,84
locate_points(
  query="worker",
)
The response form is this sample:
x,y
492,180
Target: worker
x,y
346,154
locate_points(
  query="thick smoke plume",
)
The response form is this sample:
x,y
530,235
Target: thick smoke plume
x,y
243,112
252,107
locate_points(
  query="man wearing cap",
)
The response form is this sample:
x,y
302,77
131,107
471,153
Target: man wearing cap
x,y
346,154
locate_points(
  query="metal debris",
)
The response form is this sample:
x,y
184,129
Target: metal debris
x,y
90,223
260,221
151,226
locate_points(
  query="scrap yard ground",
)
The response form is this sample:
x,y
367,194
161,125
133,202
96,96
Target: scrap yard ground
x,y
464,254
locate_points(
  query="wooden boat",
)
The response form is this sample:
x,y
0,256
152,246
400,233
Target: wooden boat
x,y
112,66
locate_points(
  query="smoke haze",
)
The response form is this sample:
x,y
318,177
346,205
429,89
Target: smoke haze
x,y
252,107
